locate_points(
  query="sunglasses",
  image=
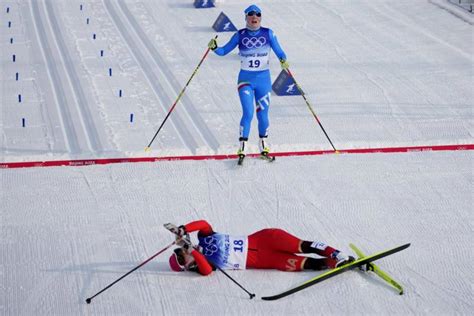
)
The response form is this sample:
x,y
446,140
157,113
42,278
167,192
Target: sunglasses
x,y
252,13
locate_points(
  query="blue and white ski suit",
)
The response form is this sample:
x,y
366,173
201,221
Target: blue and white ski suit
x,y
254,81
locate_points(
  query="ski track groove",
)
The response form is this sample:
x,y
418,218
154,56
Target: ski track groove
x,y
401,19
146,60
55,136
189,109
66,122
186,137
89,130
338,50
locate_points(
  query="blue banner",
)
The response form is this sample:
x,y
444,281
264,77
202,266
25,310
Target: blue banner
x,y
224,24
285,85
203,4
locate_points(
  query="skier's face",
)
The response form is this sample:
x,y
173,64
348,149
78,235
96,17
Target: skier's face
x,y
254,19
185,260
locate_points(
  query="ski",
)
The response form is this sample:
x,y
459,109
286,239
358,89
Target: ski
x,y
379,272
350,266
267,158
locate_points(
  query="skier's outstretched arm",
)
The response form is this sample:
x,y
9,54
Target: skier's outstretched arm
x,y
227,48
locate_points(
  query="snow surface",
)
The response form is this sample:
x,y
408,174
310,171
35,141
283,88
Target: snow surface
x,y
378,74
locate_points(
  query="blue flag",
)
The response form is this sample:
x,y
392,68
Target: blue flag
x,y
203,4
224,24
285,85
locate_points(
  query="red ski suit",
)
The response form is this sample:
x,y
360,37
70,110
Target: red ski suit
x,y
270,248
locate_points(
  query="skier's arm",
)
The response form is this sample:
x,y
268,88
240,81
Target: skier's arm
x,y
276,46
203,266
202,226
227,48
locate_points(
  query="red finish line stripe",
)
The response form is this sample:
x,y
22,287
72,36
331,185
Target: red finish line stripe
x,y
90,162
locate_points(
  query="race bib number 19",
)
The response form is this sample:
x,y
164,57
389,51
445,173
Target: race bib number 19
x,y
255,63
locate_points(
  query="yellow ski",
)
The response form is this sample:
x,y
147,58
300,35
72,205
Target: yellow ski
x,y
372,267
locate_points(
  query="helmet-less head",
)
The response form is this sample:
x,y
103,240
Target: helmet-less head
x,y
181,261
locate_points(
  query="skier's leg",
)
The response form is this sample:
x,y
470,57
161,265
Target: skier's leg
x,y
318,263
336,257
263,104
267,259
262,98
318,248
263,146
246,95
289,262
274,248
275,239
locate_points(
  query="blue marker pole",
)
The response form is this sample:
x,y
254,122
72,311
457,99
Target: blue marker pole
x,y
110,72
131,117
23,122
120,93
101,53
17,75
14,58
19,98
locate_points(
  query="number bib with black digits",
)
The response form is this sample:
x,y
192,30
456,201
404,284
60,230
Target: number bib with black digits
x,y
225,251
254,51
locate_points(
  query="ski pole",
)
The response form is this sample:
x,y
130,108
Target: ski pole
x,y
311,109
147,148
232,279
88,300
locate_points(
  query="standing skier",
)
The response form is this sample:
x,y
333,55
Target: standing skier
x,y
270,248
254,83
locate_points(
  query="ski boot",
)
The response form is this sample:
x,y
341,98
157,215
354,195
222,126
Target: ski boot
x,y
264,155
241,155
241,151
344,260
264,150
339,259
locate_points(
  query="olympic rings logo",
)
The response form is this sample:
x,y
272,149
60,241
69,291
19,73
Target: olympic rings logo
x,y
210,248
254,42
209,240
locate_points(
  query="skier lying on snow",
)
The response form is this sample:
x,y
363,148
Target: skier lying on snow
x,y
270,248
